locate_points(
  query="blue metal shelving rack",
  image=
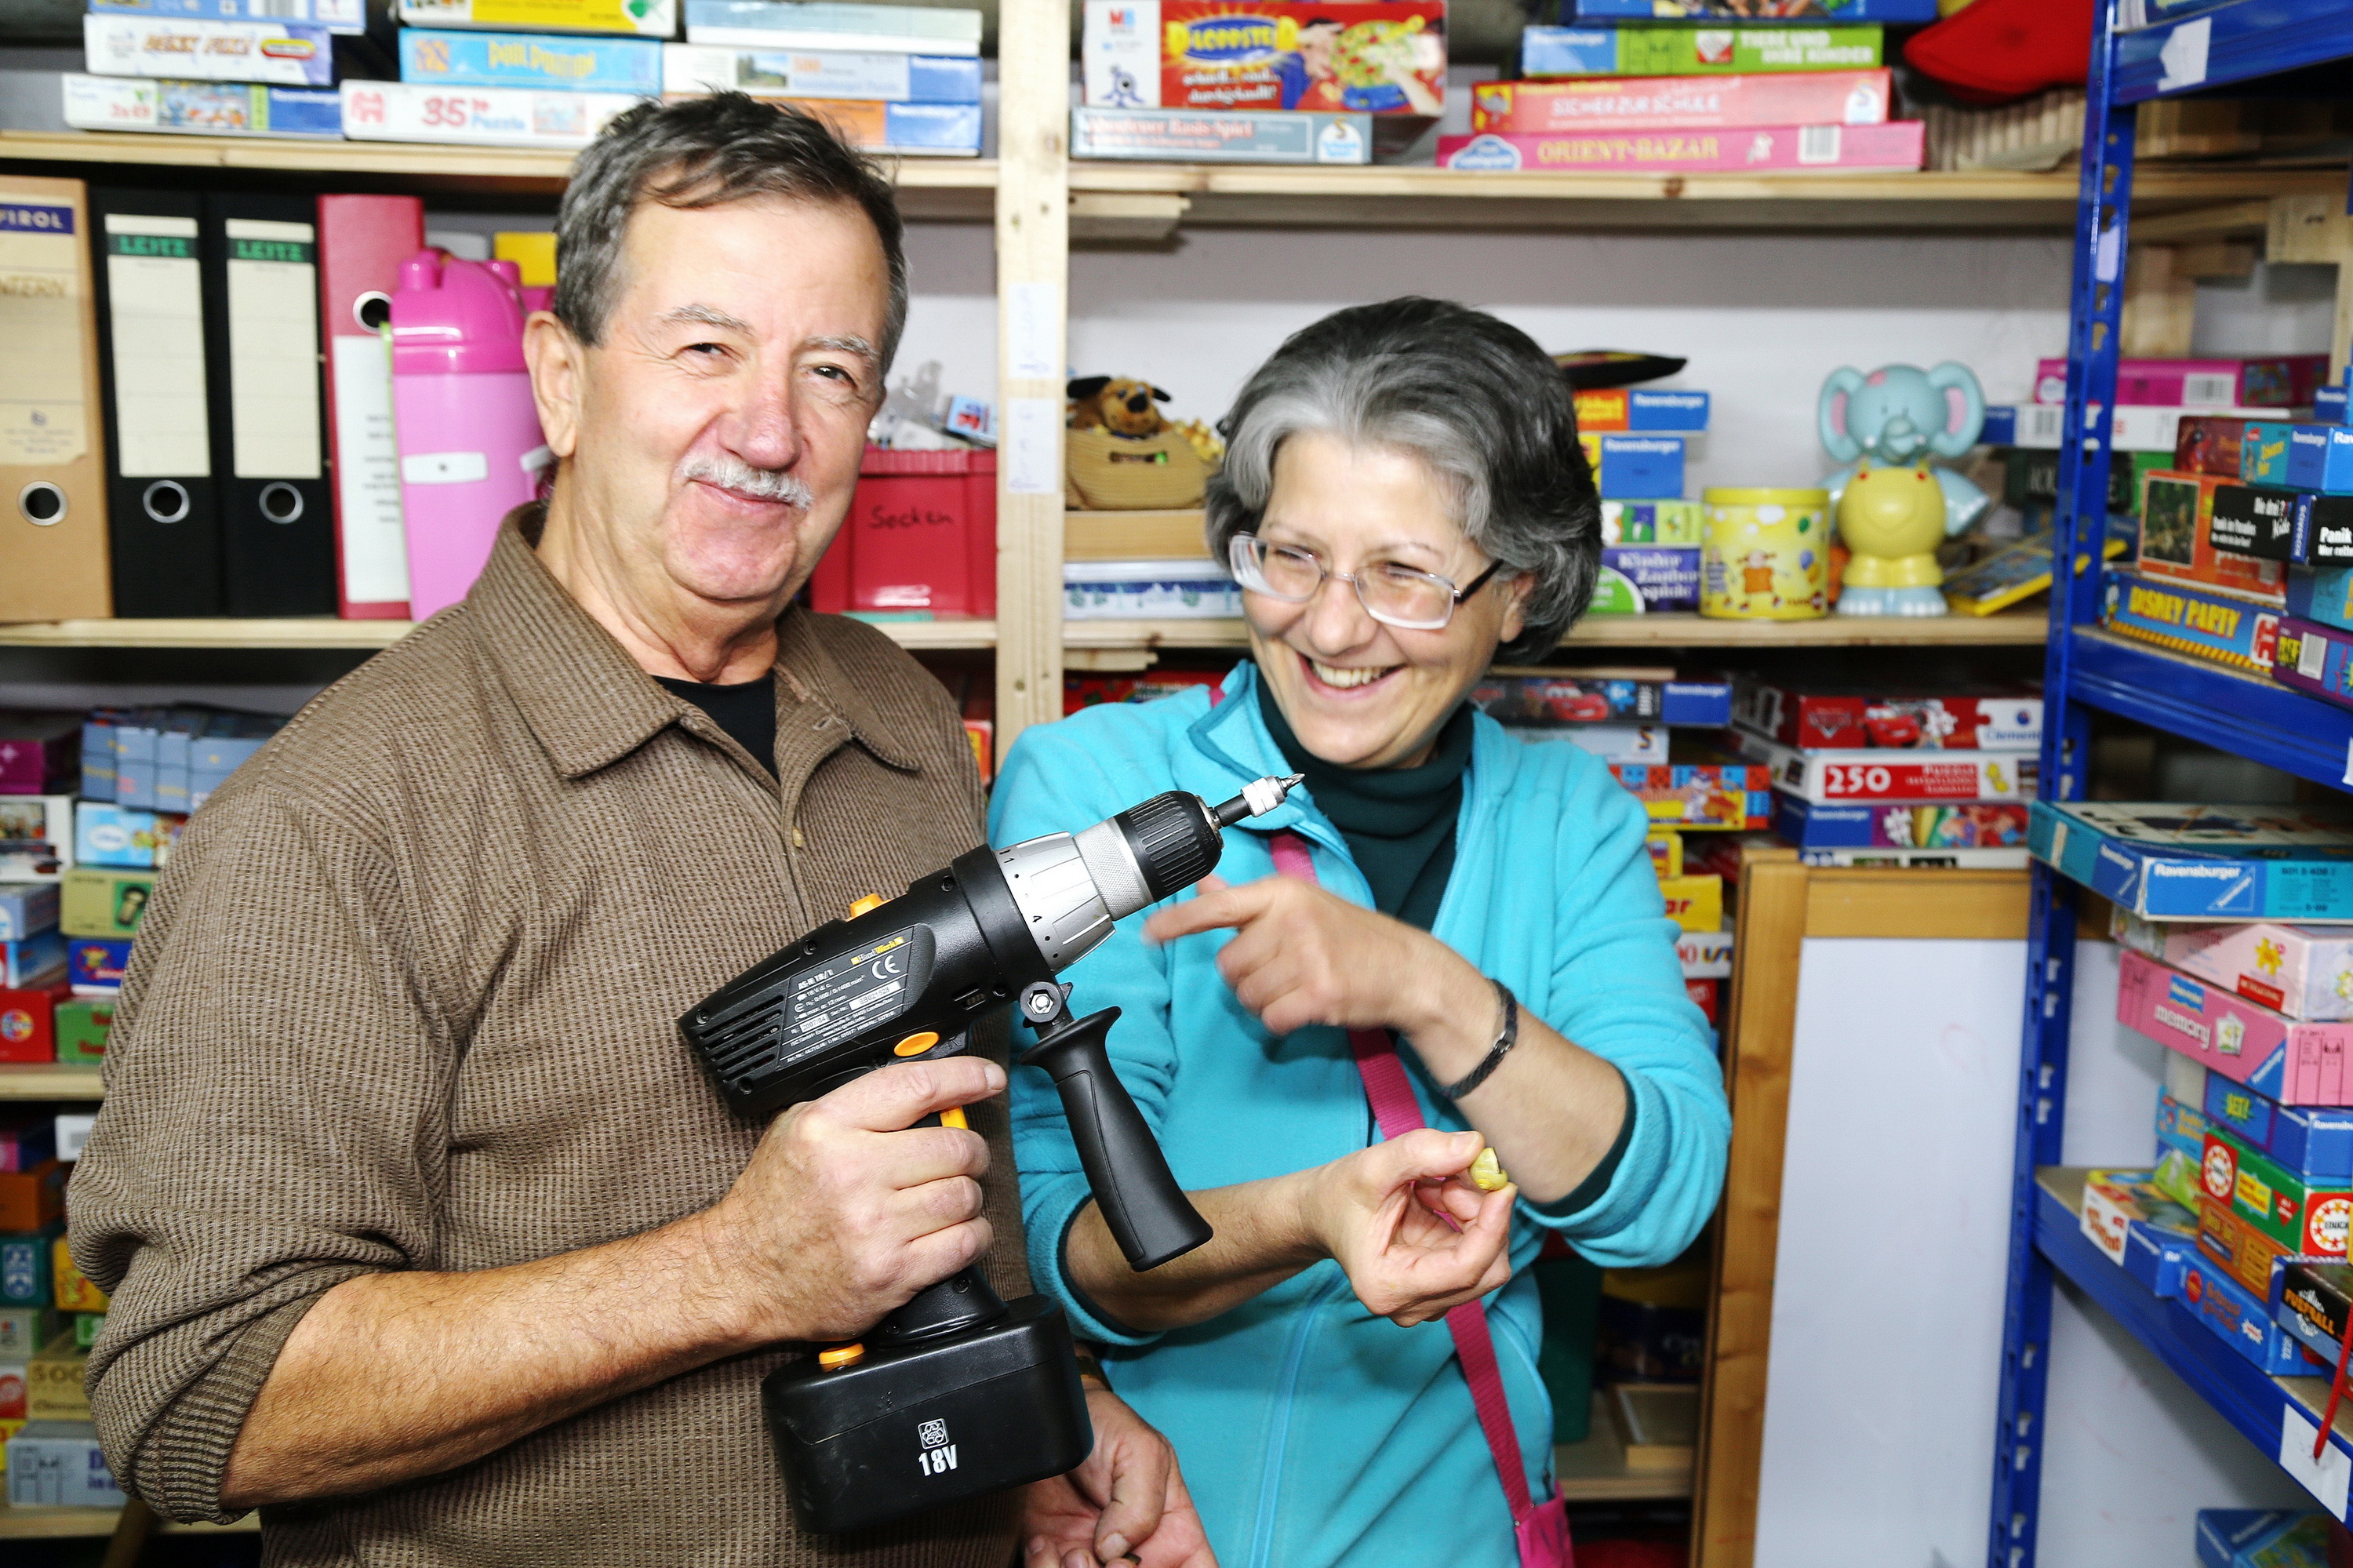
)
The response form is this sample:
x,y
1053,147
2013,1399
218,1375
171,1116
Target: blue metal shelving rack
x,y
2086,668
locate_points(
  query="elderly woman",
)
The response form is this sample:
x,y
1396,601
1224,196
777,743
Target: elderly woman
x,y
1404,498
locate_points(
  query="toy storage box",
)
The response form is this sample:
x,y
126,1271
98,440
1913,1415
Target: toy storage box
x,y
2295,1064
920,540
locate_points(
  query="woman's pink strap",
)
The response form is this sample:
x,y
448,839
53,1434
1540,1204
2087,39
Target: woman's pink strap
x,y
1391,1094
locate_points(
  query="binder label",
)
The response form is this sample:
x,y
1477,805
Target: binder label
x,y
273,349
367,474
155,297
42,419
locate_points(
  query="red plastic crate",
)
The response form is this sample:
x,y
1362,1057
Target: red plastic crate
x,y
921,535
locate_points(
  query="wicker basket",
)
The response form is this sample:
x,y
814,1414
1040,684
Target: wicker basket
x,y
1116,473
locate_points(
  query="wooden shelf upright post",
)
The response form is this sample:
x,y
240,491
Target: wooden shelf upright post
x,y
1033,228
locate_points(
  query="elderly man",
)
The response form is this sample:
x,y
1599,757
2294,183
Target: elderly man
x,y
427,1236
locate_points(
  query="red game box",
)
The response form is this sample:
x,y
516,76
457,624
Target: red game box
x,y
2177,542
1356,56
1816,718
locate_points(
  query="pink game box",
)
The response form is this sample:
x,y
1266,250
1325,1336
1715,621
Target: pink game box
x,y
2277,381
1681,103
1895,145
2304,971
2295,1064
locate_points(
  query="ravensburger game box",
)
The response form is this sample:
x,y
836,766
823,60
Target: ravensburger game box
x,y
2171,861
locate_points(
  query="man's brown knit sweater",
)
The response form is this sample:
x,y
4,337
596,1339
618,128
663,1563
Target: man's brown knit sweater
x,y
407,998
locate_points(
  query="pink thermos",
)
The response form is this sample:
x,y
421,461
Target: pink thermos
x,y
471,448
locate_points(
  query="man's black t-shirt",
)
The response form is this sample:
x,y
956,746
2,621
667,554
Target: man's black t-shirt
x,y
747,712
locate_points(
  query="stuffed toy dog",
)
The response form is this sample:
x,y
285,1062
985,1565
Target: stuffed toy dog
x,y
1116,404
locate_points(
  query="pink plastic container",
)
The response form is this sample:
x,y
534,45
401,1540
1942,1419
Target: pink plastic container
x,y
468,439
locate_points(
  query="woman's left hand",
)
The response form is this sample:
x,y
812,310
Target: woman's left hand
x,y
1301,955
1126,1505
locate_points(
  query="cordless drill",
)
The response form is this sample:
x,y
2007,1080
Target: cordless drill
x,y
960,1392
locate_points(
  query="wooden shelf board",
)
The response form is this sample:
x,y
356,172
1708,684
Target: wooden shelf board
x,y
49,1081
66,1523
1410,197
326,631
1596,1469
2011,628
929,188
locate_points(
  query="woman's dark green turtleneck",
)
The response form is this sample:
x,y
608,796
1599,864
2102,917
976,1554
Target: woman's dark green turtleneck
x,y
1399,822
1400,827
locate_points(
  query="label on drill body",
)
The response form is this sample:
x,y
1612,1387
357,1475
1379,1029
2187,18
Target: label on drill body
x,y
856,992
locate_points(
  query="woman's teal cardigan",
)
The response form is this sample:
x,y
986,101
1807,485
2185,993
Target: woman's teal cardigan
x,y
1310,1432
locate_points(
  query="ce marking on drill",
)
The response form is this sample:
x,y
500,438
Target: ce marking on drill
x,y
855,991
938,1456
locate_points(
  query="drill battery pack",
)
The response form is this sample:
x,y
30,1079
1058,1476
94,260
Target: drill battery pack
x,y
916,1424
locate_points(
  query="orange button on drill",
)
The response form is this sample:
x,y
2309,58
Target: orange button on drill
x,y
842,1356
861,905
915,1045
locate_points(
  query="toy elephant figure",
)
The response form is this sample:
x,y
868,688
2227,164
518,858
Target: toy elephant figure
x,y
1892,504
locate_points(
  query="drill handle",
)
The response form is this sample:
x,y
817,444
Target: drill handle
x,y
1148,1213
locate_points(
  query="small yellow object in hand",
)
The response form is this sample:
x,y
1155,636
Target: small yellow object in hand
x,y
1487,1173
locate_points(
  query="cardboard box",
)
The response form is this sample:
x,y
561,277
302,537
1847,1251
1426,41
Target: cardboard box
x,y
27,908
2313,1299
59,1464
2324,596
336,15
1636,50
2136,429
25,1273
2314,1141
30,1200
1603,408
2236,1312
1694,902
2209,443
1920,859
1895,145
2277,381
2236,1246
39,752
475,117
73,1132
1330,55
2177,541
283,54
32,963
2262,1538
1573,696
1827,719
1705,954
2168,862
648,18
1662,521
2303,971
82,1025
2252,520
95,965
2304,1219
2202,621
1687,796
934,130
26,1144
74,1292
2320,457
2315,659
25,1330
2263,450
435,57
1646,580
1611,743
2295,1064
1680,103
1665,847
1636,467
2324,531
105,902
36,837
887,78
2113,1201
1741,10
87,1328
762,23
1841,777
124,836
1210,136
28,1030
1968,825
53,1381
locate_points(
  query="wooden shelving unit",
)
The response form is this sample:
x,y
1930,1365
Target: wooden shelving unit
x,y
49,1081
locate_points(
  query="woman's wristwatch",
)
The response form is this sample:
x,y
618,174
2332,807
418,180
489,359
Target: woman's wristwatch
x,y
1506,1038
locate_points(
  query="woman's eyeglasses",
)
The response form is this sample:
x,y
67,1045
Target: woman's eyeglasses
x,y
1392,594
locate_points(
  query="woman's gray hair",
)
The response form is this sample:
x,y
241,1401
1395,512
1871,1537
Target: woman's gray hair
x,y
1471,396
708,151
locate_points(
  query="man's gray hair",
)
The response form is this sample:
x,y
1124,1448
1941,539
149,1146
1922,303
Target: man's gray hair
x,y
1471,396
708,151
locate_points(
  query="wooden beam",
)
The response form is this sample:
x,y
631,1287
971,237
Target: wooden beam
x,y
1988,905
2315,228
1130,217
1768,937
2202,222
2160,304
1033,223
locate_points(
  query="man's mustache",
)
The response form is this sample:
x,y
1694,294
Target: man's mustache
x,y
762,483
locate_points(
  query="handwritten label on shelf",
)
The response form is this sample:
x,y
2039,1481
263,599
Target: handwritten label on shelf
x,y
2324,1478
1032,446
1032,333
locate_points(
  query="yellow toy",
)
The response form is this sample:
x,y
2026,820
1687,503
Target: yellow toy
x,y
1893,519
1892,506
